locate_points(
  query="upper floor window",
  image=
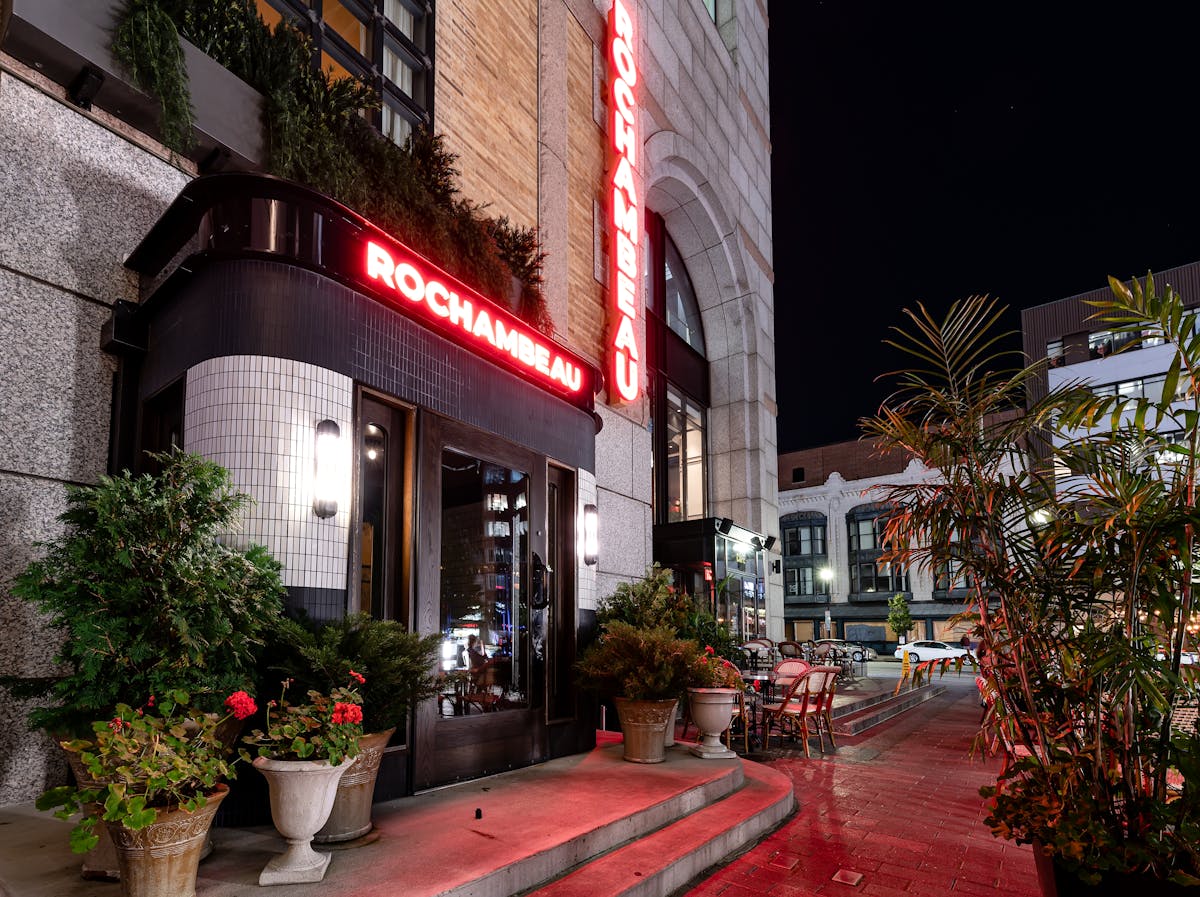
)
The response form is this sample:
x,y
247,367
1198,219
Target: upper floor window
x,y
678,381
804,540
1100,344
1056,353
685,458
386,43
679,299
866,526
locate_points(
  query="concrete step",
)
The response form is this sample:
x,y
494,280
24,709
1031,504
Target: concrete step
x,y
664,861
492,837
855,718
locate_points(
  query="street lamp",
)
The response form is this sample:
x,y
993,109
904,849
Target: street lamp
x,y
825,574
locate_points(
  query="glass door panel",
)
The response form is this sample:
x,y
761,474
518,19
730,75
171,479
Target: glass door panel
x,y
487,645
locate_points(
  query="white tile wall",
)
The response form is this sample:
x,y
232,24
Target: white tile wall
x,y
257,416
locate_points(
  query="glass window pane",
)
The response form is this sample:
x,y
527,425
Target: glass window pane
x,y
396,127
484,606
335,68
400,16
396,68
342,19
681,310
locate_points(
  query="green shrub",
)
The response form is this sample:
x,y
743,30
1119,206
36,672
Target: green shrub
x,y
146,597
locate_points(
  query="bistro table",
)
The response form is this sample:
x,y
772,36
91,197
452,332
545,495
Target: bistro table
x,y
763,689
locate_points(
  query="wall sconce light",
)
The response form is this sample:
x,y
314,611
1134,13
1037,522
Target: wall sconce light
x,y
776,565
591,535
769,543
325,469
724,525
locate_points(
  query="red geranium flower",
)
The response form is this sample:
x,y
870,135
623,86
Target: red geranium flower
x,y
241,705
346,713
358,677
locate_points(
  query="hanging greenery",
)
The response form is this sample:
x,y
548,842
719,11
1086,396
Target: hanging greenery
x,y
316,135
147,43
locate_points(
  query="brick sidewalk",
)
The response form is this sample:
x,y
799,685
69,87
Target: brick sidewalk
x,y
898,805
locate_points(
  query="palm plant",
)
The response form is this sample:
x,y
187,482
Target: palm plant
x,y
1073,526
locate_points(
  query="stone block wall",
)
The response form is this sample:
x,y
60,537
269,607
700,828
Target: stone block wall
x,y
75,197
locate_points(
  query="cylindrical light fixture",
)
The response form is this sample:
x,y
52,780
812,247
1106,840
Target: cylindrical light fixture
x,y
325,466
591,534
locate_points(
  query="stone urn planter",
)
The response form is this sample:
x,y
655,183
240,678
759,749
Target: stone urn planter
x,y
350,817
712,710
644,725
161,859
302,793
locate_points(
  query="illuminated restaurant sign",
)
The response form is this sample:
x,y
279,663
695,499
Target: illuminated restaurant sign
x,y
626,222
422,290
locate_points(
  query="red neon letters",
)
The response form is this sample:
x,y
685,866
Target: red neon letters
x,y
503,334
626,214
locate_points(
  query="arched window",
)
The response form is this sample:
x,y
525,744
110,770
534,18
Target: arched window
x,y
678,382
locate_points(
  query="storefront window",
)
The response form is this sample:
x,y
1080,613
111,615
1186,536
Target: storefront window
x,y
740,594
484,600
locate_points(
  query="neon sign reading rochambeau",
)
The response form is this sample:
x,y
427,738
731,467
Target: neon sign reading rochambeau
x,y
484,327
626,216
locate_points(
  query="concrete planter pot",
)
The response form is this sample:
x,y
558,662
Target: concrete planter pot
x,y
302,793
712,710
161,860
644,725
350,817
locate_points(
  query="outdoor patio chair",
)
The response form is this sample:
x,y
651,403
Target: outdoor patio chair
x,y
786,672
790,649
759,654
810,695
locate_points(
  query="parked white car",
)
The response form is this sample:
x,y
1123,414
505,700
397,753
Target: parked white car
x,y
926,650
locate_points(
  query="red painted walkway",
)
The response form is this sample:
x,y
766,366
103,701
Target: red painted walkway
x,y
898,805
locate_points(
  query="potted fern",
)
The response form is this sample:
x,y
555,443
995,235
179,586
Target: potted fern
x,y
647,671
1081,560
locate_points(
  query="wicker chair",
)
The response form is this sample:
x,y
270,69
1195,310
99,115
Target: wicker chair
x,y
810,695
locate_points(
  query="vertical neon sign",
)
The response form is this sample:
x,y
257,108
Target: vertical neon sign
x,y
625,225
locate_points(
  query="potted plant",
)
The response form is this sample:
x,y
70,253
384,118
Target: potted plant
x,y
647,671
303,752
156,780
398,666
147,599
715,689
654,601
1081,563
146,595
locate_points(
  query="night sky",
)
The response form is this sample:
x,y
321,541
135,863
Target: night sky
x,y
926,151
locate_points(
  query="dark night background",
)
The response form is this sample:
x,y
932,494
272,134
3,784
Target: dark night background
x,y
929,151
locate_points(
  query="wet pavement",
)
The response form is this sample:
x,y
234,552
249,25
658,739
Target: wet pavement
x,y
892,811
